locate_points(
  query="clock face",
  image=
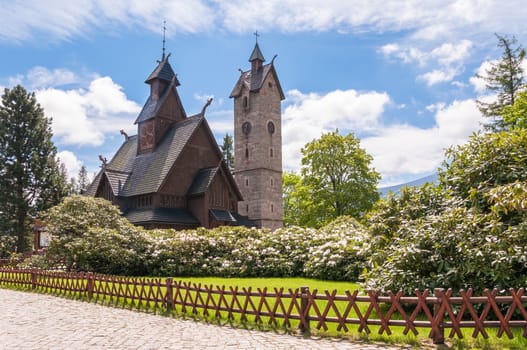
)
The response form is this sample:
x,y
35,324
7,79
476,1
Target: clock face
x,y
147,135
246,128
270,127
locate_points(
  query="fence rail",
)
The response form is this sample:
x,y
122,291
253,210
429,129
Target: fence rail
x,y
435,311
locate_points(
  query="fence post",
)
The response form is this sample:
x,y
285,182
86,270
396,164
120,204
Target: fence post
x,y
169,297
33,279
439,337
304,314
90,284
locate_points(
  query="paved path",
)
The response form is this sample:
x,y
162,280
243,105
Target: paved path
x,y
37,321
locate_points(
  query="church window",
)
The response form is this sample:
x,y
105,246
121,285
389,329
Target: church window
x,y
247,182
245,102
272,208
271,152
270,84
272,182
246,153
247,208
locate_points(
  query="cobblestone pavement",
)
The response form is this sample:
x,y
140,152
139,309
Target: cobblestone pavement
x,y
37,321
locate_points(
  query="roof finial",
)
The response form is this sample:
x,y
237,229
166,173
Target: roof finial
x,y
164,30
256,35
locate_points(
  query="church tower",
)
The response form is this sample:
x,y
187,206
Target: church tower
x,y
258,142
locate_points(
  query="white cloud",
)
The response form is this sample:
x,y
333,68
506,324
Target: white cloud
x,y
72,163
63,19
41,77
84,117
435,20
312,114
397,149
477,80
448,59
406,149
437,76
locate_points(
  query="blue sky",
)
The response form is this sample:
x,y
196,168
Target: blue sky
x,y
398,74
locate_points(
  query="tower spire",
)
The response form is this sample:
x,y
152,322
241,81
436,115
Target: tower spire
x,y
164,30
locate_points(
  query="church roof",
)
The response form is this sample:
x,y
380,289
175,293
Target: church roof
x,y
256,54
222,215
254,82
163,71
202,181
130,174
161,215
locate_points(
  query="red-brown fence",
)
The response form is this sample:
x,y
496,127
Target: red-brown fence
x,y
301,307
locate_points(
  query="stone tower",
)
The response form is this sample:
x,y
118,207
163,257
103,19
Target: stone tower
x,y
258,142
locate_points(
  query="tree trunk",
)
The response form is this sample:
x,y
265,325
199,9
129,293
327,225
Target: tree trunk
x,y
21,231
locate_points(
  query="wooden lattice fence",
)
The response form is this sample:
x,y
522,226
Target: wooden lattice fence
x,y
306,309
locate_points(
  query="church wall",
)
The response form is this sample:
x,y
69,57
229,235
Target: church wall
x,y
198,207
198,154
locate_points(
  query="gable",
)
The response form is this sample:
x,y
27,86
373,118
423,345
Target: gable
x,y
149,170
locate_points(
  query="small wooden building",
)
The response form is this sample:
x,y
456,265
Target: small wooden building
x,y
172,173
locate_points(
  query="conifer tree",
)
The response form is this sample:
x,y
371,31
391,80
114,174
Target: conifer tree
x,y
505,78
82,180
30,175
227,150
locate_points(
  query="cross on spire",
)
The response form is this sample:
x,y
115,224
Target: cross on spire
x,y
256,35
164,30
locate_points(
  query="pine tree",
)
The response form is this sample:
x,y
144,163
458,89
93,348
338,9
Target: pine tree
x,y
505,78
227,150
31,178
82,180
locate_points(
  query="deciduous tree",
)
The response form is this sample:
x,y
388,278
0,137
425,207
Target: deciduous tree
x,y
339,176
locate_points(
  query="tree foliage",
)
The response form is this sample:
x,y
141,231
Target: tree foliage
x,y
83,181
299,207
30,175
505,78
515,116
468,231
338,175
76,225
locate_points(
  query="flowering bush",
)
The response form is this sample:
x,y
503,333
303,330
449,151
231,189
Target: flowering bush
x,y
336,253
89,234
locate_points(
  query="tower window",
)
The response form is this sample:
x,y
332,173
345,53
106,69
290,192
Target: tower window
x,y
247,208
270,84
272,208
246,153
271,152
270,127
247,182
245,102
272,182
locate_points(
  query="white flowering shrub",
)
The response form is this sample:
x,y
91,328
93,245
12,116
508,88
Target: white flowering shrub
x,y
90,235
336,251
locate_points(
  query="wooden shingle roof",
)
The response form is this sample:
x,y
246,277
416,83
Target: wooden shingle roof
x,y
130,174
161,215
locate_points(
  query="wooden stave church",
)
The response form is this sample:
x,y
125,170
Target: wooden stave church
x,y
172,173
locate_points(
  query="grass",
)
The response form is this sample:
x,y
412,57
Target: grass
x,y
397,336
